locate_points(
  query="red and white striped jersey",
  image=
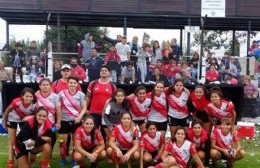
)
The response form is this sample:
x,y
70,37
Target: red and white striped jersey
x,y
158,112
124,138
181,153
225,110
178,105
152,144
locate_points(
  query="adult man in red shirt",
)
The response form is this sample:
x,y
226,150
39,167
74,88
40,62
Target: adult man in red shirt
x,y
62,84
98,93
77,70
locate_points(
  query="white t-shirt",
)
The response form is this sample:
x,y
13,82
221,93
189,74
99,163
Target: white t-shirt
x,y
122,50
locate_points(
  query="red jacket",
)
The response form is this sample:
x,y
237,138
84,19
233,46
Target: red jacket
x,y
211,77
112,56
79,72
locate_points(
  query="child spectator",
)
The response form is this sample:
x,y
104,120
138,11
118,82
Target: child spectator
x,y
156,53
33,69
159,77
194,61
171,70
128,73
166,52
250,90
18,59
214,62
212,75
56,70
112,60
186,72
142,54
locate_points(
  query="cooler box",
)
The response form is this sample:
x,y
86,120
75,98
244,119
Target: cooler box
x,y
246,130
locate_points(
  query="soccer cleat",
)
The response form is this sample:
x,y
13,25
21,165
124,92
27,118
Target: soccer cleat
x,y
73,163
62,162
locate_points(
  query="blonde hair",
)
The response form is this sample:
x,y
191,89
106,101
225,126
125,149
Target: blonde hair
x,y
247,77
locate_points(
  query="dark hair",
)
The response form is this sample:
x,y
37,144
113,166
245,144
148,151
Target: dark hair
x,y
105,66
153,92
171,88
128,63
196,121
73,77
201,86
159,60
92,132
139,88
28,90
35,123
145,45
125,103
45,80
216,90
18,44
179,128
154,49
149,123
126,113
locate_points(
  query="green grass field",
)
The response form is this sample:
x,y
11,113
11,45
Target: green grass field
x,y
252,159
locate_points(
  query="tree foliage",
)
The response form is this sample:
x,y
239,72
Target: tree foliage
x,y
71,36
218,39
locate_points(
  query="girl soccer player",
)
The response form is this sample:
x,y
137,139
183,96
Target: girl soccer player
x,y
73,106
139,106
123,144
222,139
158,113
88,143
16,113
180,151
34,137
152,145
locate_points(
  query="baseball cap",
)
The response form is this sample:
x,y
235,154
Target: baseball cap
x,y
65,66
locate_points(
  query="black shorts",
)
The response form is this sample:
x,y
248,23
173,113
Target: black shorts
x,y
139,122
154,154
90,150
201,115
68,127
14,125
161,126
223,156
178,122
19,150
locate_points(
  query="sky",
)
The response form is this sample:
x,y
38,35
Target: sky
x,y
36,32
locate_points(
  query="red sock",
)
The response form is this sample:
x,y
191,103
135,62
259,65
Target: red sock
x,y
44,163
32,160
63,151
10,163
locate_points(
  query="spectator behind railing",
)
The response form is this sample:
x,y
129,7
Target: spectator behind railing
x,y
135,47
212,75
85,47
18,59
156,53
110,40
33,51
176,50
128,74
142,54
94,65
214,61
166,52
159,77
77,70
250,90
57,70
112,60
194,62
33,69
171,71
186,72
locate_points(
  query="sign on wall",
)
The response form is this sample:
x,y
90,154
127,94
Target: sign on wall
x,y
213,8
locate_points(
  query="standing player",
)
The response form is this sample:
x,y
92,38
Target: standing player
x,y
73,106
177,98
16,113
99,91
220,108
139,106
158,113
